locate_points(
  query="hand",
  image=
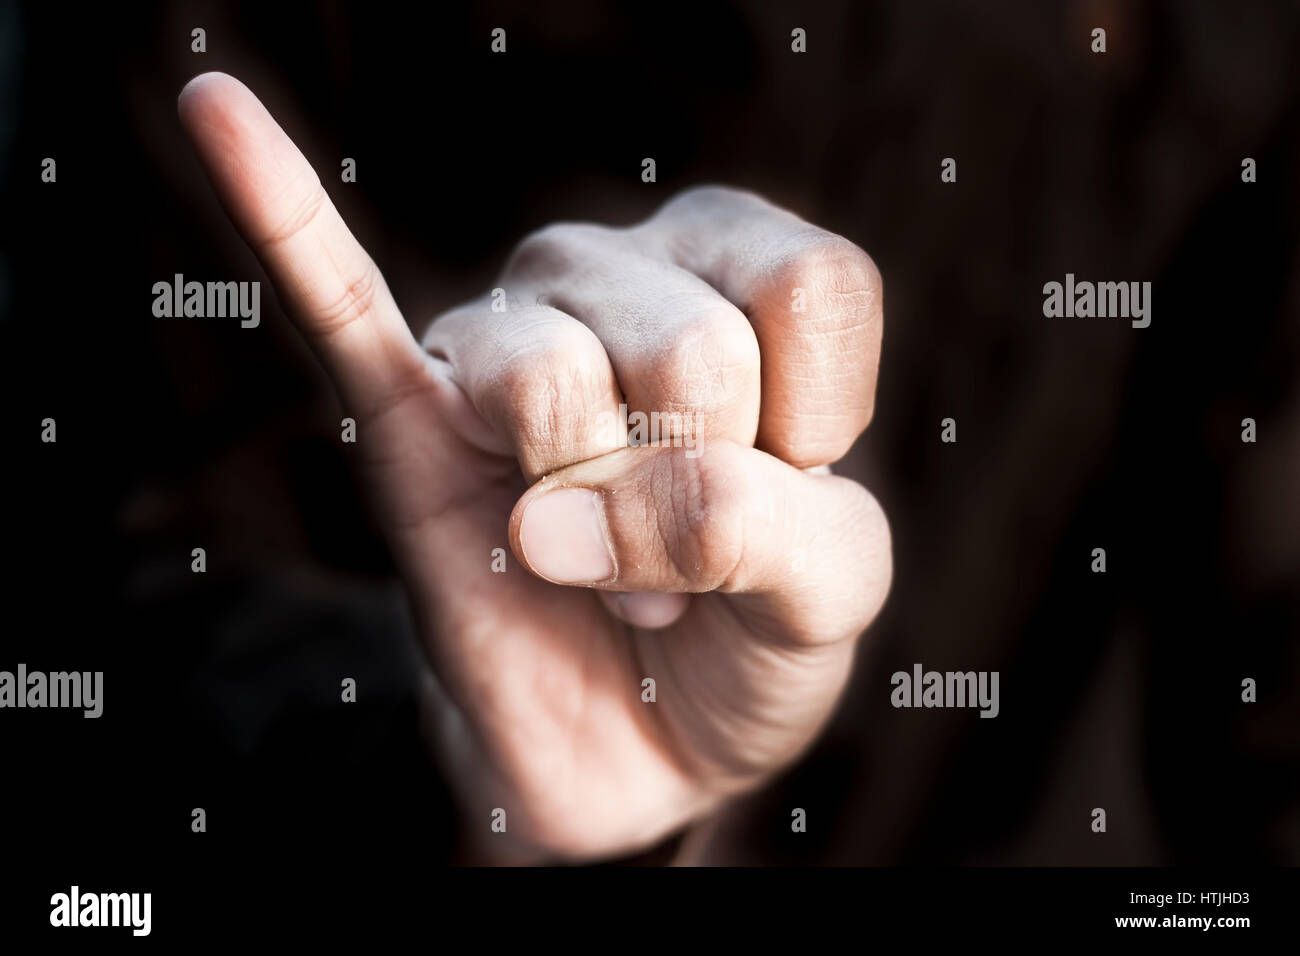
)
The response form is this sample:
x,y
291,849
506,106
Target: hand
x,y
738,579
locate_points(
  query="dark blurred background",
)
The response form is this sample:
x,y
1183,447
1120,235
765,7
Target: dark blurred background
x,y
1120,690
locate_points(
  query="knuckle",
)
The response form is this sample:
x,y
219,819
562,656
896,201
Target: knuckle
x,y
836,330
839,277
356,301
555,248
712,196
304,212
710,360
670,227
702,513
547,384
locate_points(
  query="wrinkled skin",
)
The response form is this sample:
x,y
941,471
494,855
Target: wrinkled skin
x,y
738,574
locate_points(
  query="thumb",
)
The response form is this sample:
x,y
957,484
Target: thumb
x,y
806,556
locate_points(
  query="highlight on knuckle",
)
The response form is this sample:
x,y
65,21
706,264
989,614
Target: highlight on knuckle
x,y
554,249
709,361
839,281
709,196
546,386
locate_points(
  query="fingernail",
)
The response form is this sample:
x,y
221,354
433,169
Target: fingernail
x,y
563,537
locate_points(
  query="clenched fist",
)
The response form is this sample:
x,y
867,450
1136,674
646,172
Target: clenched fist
x,y
736,573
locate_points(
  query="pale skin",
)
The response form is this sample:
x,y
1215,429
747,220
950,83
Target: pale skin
x,y
738,575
